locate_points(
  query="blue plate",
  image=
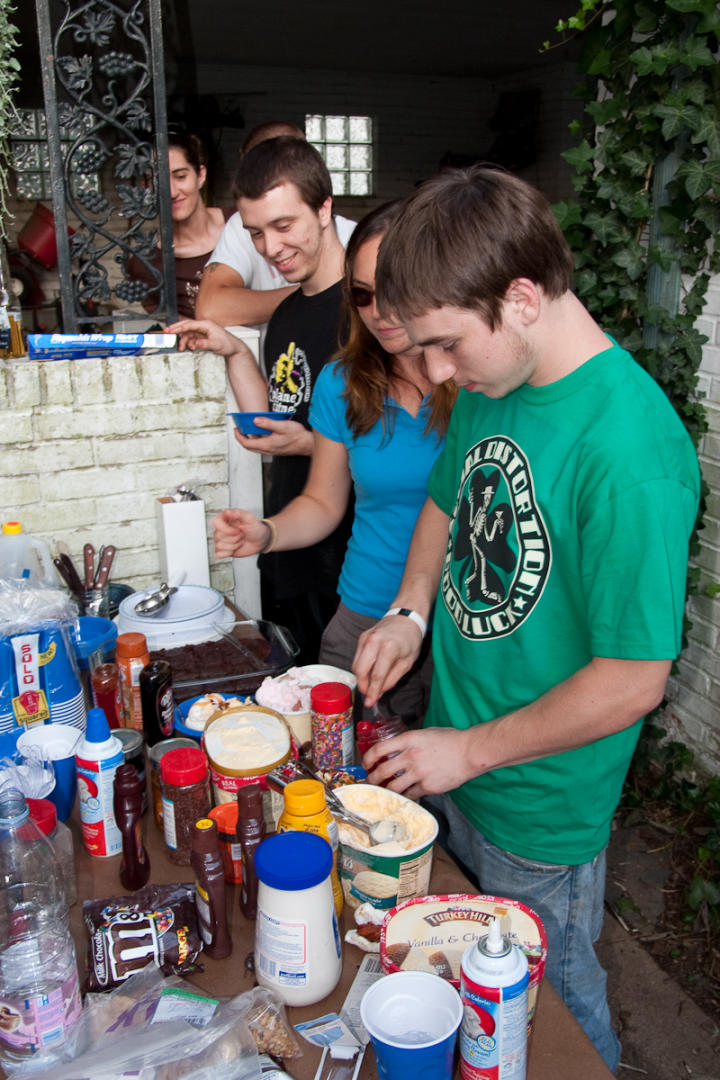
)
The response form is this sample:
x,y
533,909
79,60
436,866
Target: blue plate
x,y
181,712
245,421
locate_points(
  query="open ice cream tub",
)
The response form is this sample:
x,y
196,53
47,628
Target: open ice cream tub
x,y
384,874
289,694
431,933
243,744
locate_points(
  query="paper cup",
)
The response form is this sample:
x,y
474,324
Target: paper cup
x,y
57,744
412,1019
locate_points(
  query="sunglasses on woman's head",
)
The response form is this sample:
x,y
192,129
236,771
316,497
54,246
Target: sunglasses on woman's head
x,y
360,296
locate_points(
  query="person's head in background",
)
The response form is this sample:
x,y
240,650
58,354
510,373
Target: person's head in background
x,y
271,129
188,173
284,195
377,349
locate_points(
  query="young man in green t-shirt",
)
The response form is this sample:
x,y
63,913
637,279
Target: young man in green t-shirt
x,y
555,538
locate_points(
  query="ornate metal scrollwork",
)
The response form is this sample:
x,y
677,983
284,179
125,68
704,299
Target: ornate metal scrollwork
x,y
105,94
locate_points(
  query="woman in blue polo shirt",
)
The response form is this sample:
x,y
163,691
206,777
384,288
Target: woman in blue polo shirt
x,y
379,425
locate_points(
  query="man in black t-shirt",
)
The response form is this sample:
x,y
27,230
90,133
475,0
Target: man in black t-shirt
x,y
284,196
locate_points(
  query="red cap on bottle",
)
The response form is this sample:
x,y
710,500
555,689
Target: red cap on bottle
x,y
330,697
43,813
183,766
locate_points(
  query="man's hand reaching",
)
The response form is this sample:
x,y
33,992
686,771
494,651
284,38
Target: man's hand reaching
x,y
383,655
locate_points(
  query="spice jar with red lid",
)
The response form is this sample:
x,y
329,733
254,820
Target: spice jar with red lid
x,y
333,735
185,785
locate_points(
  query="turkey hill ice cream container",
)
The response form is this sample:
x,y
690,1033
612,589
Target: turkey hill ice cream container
x,y
431,933
384,874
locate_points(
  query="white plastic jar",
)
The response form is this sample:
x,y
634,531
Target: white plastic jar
x,y
297,942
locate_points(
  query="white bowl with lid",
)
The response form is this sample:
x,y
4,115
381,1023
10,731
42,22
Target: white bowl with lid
x,y
190,617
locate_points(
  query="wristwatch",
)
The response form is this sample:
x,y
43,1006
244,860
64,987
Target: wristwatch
x,y
415,616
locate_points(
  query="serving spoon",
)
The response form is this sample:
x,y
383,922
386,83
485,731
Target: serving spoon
x,y
378,832
155,601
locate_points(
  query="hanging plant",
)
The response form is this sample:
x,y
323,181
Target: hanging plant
x,y
644,223
9,76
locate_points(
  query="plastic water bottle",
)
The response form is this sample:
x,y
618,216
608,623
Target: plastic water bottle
x,y
39,991
24,556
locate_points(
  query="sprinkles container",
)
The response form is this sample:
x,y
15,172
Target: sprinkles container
x,y
333,733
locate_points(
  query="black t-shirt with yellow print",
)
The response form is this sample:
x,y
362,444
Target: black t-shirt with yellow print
x,y
301,337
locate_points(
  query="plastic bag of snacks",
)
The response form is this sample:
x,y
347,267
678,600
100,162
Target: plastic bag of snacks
x,y
155,925
157,1028
265,1015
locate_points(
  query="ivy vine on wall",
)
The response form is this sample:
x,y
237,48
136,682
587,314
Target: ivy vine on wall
x,y
644,224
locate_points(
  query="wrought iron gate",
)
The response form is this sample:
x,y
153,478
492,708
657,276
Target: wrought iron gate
x,y
104,87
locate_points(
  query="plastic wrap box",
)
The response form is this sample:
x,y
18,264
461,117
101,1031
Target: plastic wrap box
x,y
79,346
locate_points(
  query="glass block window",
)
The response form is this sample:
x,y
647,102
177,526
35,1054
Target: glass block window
x,y
346,144
29,155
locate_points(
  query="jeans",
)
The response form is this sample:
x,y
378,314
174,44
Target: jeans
x,y
568,899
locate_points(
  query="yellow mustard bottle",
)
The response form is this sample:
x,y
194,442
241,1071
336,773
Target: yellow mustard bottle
x,y
306,811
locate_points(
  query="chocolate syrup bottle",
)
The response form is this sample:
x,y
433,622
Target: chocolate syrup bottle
x,y
127,807
158,703
206,861
251,833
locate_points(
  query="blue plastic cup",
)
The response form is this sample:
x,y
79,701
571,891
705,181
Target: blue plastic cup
x,y
56,743
412,1018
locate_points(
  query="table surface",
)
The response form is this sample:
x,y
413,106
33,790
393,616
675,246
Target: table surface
x,y
559,1049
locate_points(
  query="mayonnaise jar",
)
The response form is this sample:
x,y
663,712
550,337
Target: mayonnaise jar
x,y
297,941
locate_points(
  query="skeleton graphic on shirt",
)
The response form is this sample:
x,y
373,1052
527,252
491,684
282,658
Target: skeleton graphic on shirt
x,y
483,533
499,555
481,540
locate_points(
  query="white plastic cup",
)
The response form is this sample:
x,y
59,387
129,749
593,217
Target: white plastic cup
x,y
412,1018
57,743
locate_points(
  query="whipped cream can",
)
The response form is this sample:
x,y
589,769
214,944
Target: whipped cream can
x,y
494,992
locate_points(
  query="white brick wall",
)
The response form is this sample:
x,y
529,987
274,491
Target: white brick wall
x,y
693,711
88,445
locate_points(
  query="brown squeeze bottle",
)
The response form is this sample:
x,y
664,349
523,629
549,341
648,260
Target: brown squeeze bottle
x,y
127,807
251,833
157,702
206,861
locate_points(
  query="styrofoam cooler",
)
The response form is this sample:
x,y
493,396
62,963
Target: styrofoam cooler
x,y
39,682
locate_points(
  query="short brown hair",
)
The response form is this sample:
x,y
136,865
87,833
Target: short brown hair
x,y
277,161
463,237
270,130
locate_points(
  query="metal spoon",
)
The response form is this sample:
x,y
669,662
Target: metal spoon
x,y
379,832
155,601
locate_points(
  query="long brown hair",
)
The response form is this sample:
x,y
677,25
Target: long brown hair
x,y
368,369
